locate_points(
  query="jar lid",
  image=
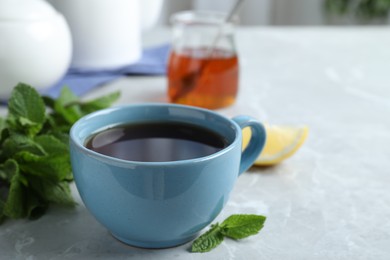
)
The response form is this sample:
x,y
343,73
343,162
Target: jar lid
x,y
202,17
26,10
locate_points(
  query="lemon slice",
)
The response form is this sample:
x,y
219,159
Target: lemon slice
x,y
281,143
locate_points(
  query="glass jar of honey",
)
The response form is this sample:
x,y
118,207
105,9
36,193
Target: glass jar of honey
x,y
203,64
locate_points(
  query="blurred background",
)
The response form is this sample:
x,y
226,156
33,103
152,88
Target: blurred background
x,y
292,12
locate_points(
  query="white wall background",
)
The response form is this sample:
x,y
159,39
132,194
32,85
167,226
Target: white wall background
x,y
262,12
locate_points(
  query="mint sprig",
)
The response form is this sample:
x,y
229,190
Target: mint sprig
x,y
237,227
35,168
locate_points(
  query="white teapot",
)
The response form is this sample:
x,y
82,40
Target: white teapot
x,y
35,44
107,33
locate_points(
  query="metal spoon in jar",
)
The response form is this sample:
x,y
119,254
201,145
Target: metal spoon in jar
x,y
190,80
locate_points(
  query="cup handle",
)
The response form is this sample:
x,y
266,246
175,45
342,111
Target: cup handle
x,y
256,143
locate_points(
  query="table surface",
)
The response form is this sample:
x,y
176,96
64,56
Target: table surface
x,y
328,201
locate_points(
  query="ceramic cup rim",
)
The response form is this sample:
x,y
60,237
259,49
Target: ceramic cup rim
x,y
80,144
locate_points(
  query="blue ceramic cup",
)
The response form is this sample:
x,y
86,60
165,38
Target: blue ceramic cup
x,y
160,204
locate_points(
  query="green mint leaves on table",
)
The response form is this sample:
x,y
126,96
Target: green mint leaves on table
x,y
35,169
236,227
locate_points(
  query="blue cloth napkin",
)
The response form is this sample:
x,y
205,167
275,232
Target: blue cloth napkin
x,y
153,62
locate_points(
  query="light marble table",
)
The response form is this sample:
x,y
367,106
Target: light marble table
x,y
329,201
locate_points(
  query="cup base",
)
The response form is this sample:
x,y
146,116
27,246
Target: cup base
x,y
154,244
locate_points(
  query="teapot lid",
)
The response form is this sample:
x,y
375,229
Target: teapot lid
x,y
26,10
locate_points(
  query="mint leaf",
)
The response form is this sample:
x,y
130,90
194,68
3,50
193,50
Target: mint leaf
x,y
58,193
62,137
2,216
3,124
51,145
4,131
68,108
18,142
241,226
65,106
3,175
236,227
66,97
209,240
35,206
26,102
99,103
15,204
54,167
9,169
26,109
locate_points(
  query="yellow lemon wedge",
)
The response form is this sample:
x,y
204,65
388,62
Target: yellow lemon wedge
x,y
281,143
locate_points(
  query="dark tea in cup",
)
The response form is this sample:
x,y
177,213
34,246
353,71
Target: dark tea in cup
x,y
157,142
